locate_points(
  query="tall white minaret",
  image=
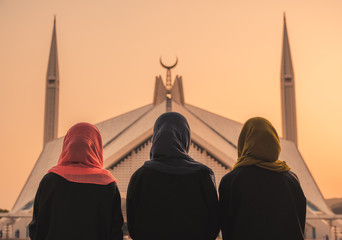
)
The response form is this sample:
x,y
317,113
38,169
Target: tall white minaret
x,y
288,98
52,92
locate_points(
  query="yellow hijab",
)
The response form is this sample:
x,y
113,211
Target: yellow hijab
x,y
259,145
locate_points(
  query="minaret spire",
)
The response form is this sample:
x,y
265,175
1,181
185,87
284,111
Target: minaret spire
x,y
288,99
52,91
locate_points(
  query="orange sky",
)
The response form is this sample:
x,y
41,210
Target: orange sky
x,y
229,57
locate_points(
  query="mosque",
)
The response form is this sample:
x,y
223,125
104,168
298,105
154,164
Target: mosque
x,y
127,142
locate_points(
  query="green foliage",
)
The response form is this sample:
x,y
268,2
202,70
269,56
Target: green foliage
x,y
3,210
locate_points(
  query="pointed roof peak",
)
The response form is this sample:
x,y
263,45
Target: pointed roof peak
x,y
286,67
284,20
54,24
53,58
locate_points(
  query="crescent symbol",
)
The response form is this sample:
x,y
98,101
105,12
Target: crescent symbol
x,y
168,67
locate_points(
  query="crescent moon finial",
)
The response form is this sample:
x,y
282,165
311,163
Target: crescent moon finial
x,y
168,67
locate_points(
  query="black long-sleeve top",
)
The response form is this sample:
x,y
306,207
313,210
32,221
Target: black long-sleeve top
x,y
256,203
162,206
68,210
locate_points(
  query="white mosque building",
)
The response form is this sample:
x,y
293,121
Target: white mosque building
x,y
127,142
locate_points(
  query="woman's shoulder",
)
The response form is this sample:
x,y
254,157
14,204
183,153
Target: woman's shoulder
x,y
53,178
140,171
293,179
242,173
138,175
50,180
292,176
238,173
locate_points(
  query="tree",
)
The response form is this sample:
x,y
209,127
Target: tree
x,y
3,211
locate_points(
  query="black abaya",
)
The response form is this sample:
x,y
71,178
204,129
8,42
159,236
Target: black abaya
x,y
256,203
76,211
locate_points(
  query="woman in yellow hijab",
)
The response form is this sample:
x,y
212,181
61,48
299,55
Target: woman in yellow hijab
x,y
261,198
259,145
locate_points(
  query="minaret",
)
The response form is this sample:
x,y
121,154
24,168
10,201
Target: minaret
x,y
52,92
288,98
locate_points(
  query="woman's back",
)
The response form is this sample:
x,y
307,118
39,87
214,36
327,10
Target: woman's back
x,y
167,206
70,210
256,203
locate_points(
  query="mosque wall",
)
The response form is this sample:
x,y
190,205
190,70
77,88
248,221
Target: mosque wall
x,y
317,229
20,228
14,228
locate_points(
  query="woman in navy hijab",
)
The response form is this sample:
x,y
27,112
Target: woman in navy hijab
x,y
172,196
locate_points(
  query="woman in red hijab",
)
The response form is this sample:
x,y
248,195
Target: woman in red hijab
x,y
78,199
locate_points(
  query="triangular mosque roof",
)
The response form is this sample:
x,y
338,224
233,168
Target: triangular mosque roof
x,y
217,134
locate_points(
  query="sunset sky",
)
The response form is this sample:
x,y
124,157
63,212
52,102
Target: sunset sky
x,y
229,55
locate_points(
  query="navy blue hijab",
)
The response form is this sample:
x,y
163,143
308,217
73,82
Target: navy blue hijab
x,y
170,147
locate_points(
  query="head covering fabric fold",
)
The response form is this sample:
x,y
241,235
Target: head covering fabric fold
x,y
81,159
170,147
259,145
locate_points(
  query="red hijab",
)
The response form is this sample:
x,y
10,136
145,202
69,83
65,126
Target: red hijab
x,y
81,159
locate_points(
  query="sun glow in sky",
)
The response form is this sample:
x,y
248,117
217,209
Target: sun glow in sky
x,y
229,57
